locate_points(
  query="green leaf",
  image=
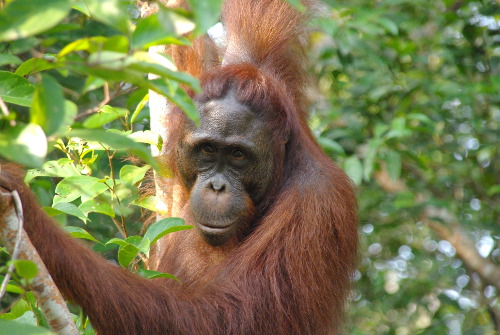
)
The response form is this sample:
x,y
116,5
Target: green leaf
x,y
148,137
17,311
7,59
149,203
369,161
164,227
206,13
26,145
120,67
72,188
354,169
94,44
388,25
16,89
116,141
126,254
398,128
180,98
162,66
150,274
149,32
493,190
105,115
71,209
78,232
35,65
8,327
14,289
80,5
144,101
329,144
142,243
393,163
19,308
26,269
52,169
119,241
23,18
111,12
143,62
48,106
98,206
132,174
176,20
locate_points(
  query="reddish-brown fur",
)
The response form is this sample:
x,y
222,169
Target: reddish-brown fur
x,y
291,275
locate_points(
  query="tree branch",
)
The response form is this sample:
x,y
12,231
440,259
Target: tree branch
x,y
464,246
43,287
467,252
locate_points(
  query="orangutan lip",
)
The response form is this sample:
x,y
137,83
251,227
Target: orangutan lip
x,y
214,230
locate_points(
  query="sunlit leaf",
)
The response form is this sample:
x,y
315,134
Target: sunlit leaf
x,y
24,144
15,89
354,169
34,65
105,115
23,18
81,6
111,12
51,169
126,254
26,269
388,25
164,227
48,106
118,241
175,20
78,232
132,174
71,209
330,145
150,32
393,163
206,13
72,188
144,101
98,206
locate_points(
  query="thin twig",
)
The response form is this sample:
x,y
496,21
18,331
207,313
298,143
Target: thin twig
x,y
107,98
123,228
19,212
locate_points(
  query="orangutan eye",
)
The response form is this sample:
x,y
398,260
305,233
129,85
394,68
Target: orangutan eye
x,y
237,154
208,149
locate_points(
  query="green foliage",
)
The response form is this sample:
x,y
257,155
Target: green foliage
x,y
30,17
74,93
17,328
410,92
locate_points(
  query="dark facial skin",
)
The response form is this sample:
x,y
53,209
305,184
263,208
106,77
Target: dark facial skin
x,y
226,163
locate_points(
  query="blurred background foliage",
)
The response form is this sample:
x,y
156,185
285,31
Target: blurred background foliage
x,y
409,106
407,102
